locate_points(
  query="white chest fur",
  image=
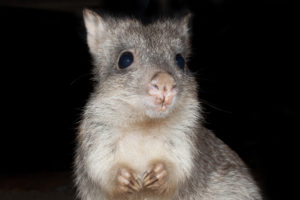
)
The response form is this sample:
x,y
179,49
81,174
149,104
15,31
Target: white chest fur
x,y
138,148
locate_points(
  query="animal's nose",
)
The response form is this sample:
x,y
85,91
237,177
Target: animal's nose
x,y
162,88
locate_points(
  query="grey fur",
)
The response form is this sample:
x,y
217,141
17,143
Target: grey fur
x,y
206,168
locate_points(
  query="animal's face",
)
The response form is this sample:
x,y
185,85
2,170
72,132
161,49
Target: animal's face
x,y
143,66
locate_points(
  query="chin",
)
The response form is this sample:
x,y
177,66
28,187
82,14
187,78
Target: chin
x,y
155,113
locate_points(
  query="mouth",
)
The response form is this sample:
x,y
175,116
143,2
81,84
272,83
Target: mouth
x,y
158,110
162,106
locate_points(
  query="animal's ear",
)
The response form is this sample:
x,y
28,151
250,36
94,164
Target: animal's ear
x,y
186,24
96,29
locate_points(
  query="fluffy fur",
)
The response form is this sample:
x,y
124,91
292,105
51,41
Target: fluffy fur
x,y
120,129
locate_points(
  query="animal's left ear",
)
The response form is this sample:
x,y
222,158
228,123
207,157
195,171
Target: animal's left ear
x,y
186,24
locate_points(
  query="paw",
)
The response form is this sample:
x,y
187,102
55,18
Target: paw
x,y
155,177
127,181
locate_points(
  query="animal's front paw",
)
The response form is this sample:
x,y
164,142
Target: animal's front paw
x,y
155,177
127,181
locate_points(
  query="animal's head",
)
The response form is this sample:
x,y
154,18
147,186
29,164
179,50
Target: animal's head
x,y
143,67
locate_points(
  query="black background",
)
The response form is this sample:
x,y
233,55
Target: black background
x,y
244,55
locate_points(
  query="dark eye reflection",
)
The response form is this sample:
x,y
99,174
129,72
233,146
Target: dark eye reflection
x,y
180,62
125,60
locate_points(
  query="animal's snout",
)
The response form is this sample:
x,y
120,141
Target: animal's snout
x,y
162,87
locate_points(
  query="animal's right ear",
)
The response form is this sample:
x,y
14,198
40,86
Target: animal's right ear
x,y
96,29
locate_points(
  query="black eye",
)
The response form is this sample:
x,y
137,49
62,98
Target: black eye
x,y
125,60
180,61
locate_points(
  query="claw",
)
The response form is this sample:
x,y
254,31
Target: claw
x,y
128,181
134,184
149,179
155,176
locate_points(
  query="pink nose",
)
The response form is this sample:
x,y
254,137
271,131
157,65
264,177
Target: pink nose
x,y
162,88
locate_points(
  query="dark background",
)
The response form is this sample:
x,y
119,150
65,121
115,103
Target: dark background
x,y
244,54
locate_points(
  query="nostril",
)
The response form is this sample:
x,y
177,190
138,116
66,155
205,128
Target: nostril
x,y
174,86
155,86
